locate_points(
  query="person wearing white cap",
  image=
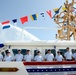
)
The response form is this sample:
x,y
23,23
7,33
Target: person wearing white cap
x,y
68,55
18,57
59,57
74,55
28,56
8,57
38,57
49,56
1,56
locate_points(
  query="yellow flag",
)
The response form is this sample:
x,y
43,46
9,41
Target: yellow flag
x,y
63,8
34,16
55,9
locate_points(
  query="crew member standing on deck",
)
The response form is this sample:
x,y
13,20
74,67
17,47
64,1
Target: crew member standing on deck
x,y
59,57
18,57
49,56
1,56
8,57
68,55
74,55
38,57
28,56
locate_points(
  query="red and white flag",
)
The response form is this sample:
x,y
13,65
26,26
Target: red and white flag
x,y
49,13
6,24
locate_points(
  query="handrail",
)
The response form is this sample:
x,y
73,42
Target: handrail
x,y
50,63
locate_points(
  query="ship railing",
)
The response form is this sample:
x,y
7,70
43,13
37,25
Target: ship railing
x,y
51,68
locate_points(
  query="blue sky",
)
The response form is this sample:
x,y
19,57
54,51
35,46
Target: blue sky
x,y
11,9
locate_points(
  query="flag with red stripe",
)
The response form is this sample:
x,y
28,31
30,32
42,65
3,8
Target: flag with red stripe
x,y
5,24
49,13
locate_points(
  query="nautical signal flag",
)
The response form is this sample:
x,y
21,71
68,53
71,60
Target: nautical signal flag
x,y
43,15
56,10
14,20
24,19
49,13
34,16
5,24
64,8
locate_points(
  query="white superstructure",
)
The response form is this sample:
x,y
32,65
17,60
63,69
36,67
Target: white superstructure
x,y
39,45
41,68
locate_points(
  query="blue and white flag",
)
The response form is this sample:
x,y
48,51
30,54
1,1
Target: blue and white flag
x,y
5,24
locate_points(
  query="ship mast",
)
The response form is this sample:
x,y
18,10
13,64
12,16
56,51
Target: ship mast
x,y
66,19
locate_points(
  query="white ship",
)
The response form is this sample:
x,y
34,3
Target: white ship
x,y
28,41
43,68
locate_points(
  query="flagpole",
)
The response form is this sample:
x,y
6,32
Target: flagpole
x,y
2,38
15,24
21,32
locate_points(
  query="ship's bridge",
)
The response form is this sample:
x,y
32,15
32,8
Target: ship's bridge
x,y
35,46
39,68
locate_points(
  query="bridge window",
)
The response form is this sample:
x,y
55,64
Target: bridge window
x,y
23,51
72,50
52,51
3,54
62,51
14,51
35,52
